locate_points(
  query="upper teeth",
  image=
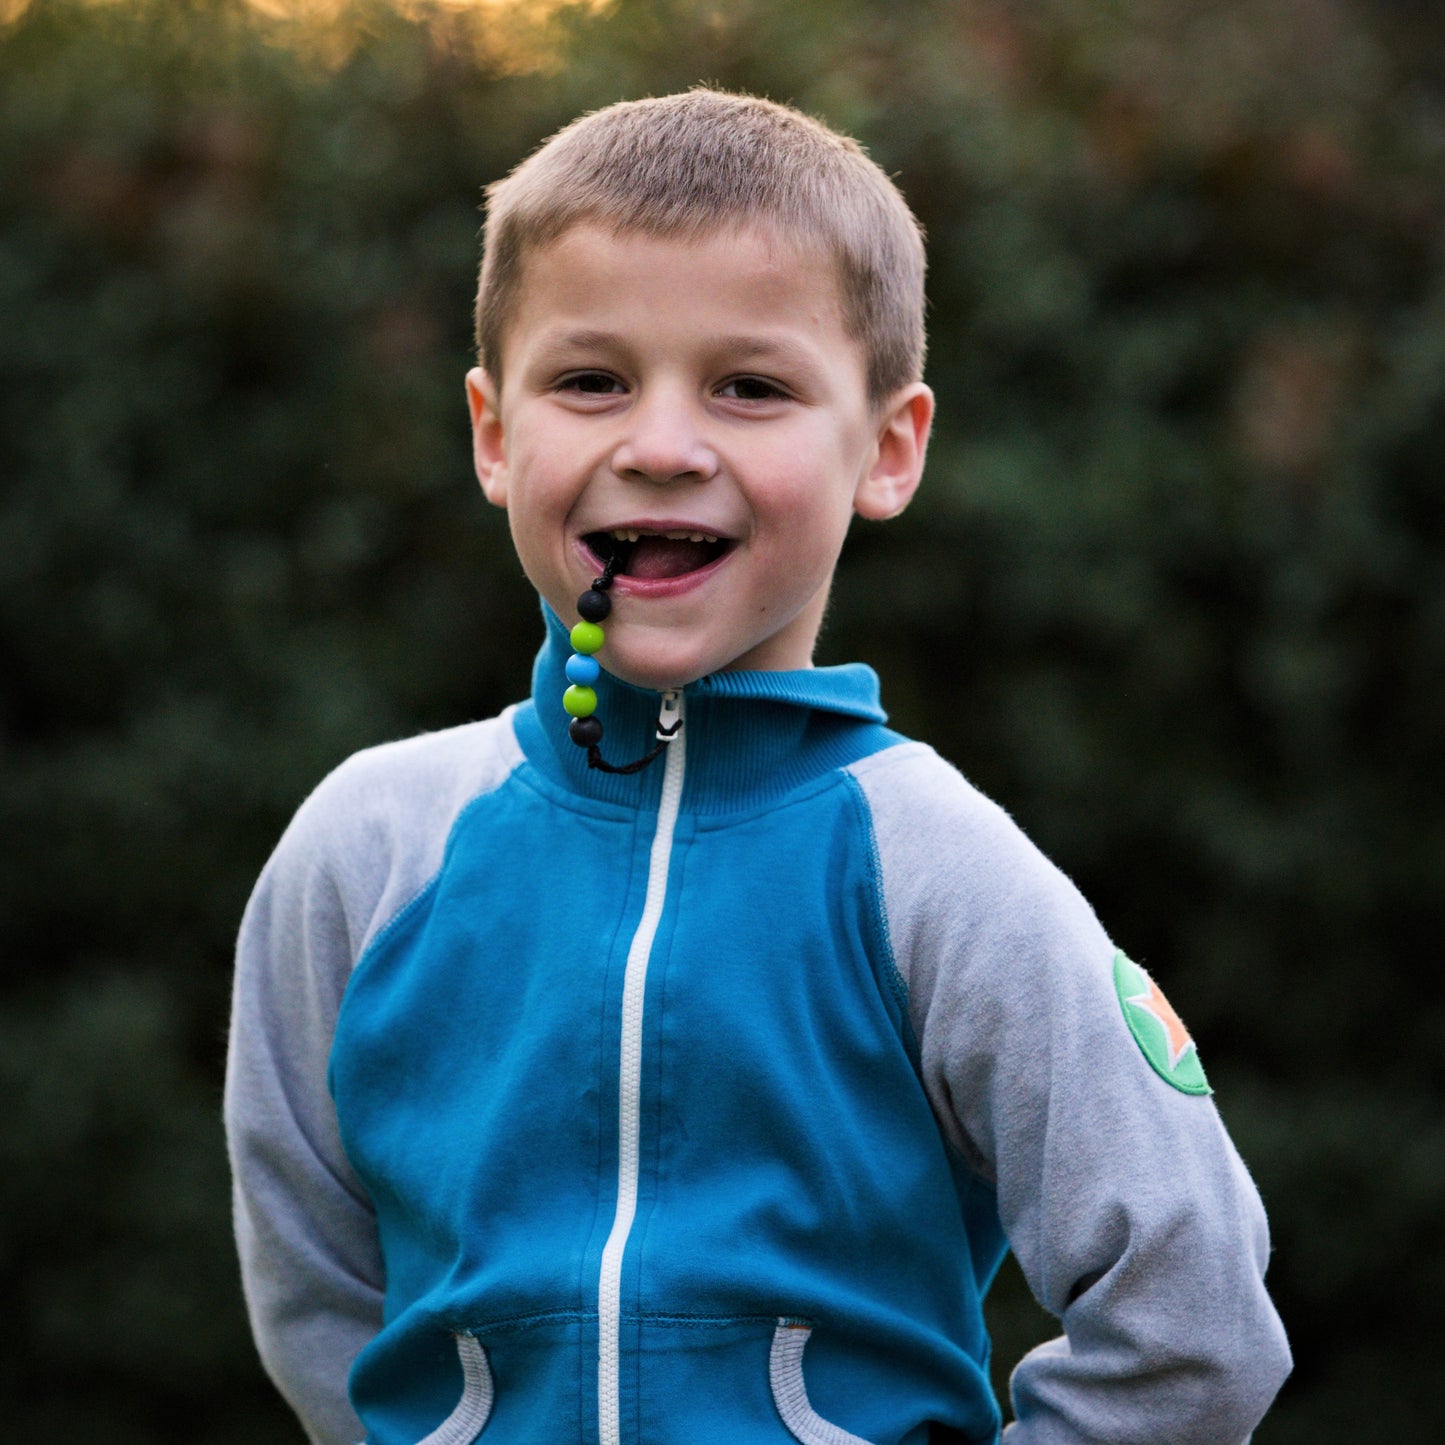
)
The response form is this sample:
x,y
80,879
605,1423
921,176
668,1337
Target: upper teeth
x,y
631,534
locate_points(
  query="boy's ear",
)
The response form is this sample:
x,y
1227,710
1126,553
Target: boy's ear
x,y
489,450
903,427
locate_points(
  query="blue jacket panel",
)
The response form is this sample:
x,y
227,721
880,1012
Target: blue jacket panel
x,y
789,1173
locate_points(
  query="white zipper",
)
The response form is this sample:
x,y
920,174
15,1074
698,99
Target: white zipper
x,y
629,1105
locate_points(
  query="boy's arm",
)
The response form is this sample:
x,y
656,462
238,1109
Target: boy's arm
x,y
1130,1212
360,849
310,1261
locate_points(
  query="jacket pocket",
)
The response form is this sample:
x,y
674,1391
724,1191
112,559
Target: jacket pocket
x,y
472,1411
790,1393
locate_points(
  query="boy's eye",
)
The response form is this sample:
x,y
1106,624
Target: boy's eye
x,y
751,388
590,383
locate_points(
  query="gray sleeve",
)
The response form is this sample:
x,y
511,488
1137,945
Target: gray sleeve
x,y
1132,1216
358,850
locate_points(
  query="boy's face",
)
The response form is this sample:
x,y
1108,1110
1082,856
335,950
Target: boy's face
x,y
698,407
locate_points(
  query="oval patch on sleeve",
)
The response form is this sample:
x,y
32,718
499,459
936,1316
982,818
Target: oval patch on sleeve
x,y
1157,1029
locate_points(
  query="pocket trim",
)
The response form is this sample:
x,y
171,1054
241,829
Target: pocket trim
x,y
474,1408
790,1393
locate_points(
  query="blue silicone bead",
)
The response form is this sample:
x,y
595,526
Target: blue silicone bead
x,y
584,671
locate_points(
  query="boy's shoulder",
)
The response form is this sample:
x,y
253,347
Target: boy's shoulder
x,y
412,784
376,828
959,875
923,806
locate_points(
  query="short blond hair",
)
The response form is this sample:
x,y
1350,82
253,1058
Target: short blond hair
x,y
689,164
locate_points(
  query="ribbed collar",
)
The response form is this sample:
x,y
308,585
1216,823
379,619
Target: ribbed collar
x,y
751,736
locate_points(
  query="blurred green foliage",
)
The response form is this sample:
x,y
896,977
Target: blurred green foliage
x,y
1173,592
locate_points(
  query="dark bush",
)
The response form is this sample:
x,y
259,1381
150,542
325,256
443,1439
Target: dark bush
x,y
1173,592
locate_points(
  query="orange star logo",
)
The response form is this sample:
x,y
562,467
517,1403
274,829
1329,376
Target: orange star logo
x,y
1152,1001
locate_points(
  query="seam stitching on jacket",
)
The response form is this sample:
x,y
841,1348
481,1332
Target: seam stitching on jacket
x,y
404,910
878,916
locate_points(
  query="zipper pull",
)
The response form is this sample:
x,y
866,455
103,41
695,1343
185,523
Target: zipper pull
x,y
669,718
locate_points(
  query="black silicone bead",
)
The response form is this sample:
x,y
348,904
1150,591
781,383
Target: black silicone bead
x,y
593,606
586,732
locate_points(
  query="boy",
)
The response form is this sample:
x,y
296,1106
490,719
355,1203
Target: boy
x,y
586,1087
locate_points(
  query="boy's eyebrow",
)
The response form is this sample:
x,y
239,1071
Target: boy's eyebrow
x,y
742,347
583,341
751,348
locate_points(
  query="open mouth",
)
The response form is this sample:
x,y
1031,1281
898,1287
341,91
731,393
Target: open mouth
x,y
652,556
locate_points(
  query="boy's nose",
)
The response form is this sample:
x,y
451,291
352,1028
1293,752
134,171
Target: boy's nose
x,y
664,442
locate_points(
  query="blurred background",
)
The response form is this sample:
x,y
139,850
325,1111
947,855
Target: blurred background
x,y
1174,591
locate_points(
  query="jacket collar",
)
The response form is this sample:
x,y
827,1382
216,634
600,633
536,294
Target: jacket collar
x,y
752,736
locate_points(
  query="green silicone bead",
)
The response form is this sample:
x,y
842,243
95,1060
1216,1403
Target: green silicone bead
x,y
587,637
580,701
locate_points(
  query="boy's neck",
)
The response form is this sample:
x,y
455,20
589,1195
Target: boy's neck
x,y
752,734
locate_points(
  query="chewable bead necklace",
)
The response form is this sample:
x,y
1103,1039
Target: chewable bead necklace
x,y
583,670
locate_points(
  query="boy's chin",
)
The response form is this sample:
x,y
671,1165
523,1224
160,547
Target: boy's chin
x,y
668,658
660,667
652,678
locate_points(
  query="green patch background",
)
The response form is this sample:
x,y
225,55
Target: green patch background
x,y
1149,1033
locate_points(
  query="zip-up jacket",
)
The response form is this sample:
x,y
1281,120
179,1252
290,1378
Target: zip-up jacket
x,y
699,1106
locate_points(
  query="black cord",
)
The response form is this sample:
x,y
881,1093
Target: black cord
x,y
664,735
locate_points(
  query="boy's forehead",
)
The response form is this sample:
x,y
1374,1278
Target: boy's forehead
x,y
591,267
757,239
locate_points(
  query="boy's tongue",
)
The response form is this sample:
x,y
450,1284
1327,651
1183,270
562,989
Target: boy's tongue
x,y
653,557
